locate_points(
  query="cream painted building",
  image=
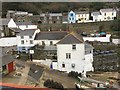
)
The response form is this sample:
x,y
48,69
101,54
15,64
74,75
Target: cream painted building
x,y
108,14
73,54
82,16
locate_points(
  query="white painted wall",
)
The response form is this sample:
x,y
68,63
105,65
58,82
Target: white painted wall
x,y
101,39
97,18
47,42
116,41
77,57
12,24
79,16
108,14
23,27
46,62
89,62
9,41
26,40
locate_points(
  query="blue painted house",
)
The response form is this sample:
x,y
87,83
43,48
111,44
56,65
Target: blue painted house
x,y
71,17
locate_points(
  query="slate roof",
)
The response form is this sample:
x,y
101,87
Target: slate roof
x,y
82,12
6,59
50,35
4,21
107,10
16,29
71,38
26,32
35,71
96,13
24,23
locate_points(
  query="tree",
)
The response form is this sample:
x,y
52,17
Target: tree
x,y
115,25
97,5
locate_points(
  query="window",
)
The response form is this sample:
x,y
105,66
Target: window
x,y
72,18
104,18
85,18
69,18
112,13
73,65
31,41
22,41
43,43
71,14
68,55
105,14
4,67
51,43
63,65
74,47
22,37
23,48
30,36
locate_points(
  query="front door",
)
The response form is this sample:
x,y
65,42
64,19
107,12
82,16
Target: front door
x,y
10,67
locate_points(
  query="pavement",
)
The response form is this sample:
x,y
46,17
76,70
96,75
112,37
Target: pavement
x,y
24,76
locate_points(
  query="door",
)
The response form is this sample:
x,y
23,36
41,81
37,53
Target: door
x,y
10,67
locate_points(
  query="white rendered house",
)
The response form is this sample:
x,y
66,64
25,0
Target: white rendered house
x,y
49,38
73,55
96,16
82,16
108,14
25,39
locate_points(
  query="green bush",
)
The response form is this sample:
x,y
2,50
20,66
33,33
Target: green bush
x,y
74,74
53,84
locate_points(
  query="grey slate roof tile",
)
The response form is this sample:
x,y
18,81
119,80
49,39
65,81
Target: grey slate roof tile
x,y
26,32
50,35
71,38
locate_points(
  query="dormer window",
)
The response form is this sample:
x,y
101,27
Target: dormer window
x,y
73,47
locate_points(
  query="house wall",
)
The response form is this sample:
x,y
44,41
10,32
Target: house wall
x,y
82,17
9,41
101,39
23,27
71,18
89,62
26,40
97,18
12,24
47,42
108,14
77,57
116,41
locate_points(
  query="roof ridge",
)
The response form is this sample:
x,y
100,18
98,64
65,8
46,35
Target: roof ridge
x,y
76,37
63,38
51,31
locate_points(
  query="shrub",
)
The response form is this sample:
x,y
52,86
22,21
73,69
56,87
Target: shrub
x,y
74,74
53,84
